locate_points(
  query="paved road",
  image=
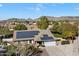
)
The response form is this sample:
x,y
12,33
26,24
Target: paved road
x,y
59,50
62,50
44,53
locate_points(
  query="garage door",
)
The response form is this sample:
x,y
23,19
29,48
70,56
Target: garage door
x,y
49,43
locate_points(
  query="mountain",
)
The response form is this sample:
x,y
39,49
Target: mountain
x,y
71,18
64,18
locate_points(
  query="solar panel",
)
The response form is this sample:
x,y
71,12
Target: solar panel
x,y
26,34
46,38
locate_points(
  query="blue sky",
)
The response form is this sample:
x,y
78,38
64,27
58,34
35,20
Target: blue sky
x,y
35,10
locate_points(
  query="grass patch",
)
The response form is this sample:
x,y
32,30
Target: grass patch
x,y
57,35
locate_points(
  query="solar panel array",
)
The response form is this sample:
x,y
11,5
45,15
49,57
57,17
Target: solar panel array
x,y
47,38
26,34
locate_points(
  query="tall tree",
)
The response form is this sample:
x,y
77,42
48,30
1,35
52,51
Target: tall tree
x,y
20,27
43,23
65,29
69,30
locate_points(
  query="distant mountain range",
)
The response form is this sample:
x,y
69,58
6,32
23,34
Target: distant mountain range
x,y
63,18
49,18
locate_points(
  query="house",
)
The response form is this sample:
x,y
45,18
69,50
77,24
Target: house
x,y
37,37
7,39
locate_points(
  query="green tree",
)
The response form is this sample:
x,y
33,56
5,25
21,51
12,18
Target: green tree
x,y
4,30
69,31
11,50
20,27
65,30
43,23
56,29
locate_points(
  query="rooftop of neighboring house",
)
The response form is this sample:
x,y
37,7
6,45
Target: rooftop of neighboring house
x,y
36,35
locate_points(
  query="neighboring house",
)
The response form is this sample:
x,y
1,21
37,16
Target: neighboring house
x,y
8,39
40,37
36,37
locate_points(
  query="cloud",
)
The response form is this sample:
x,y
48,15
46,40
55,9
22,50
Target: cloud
x,y
76,8
53,4
38,7
35,8
1,5
56,4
